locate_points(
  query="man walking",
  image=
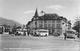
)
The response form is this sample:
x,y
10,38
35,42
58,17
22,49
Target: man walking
x,y
64,36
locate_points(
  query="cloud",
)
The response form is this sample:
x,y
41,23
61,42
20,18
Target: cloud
x,y
29,12
56,7
32,11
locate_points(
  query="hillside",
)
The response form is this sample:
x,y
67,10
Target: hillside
x,y
9,22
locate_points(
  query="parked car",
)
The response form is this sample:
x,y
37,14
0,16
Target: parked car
x,y
70,34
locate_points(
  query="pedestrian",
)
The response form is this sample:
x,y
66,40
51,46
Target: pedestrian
x,y
64,36
28,33
24,33
78,35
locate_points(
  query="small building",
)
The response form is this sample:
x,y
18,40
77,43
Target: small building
x,y
51,21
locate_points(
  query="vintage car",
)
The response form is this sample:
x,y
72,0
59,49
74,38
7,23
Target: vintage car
x,y
71,34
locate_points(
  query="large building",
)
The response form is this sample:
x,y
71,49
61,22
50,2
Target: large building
x,y
53,22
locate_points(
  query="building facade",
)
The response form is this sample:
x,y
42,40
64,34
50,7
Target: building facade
x,y
52,22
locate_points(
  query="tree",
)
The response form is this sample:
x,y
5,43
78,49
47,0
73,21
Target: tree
x,y
77,26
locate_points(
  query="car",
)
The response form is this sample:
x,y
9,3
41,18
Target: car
x,y
70,34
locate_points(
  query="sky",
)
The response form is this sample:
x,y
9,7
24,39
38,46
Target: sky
x,y
23,10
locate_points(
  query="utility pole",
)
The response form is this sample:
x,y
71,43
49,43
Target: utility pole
x,y
79,29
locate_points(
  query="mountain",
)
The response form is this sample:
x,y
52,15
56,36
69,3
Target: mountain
x,y
8,22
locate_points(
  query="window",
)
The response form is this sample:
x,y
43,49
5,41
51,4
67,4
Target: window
x,y
53,25
40,25
53,21
58,21
63,23
45,25
45,21
49,21
71,32
49,25
58,25
40,21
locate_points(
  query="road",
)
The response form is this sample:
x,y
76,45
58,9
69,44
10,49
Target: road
x,y
25,43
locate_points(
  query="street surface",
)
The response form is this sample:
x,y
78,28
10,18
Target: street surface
x,y
50,43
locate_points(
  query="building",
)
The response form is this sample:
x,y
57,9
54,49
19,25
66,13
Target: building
x,y
53,22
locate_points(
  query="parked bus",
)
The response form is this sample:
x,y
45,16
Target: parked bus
x,y
41,32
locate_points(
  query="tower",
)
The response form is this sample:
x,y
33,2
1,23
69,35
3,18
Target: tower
x,y
35,18
36,14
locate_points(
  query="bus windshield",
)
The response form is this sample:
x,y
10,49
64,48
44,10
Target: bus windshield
x,y
71,32
42,31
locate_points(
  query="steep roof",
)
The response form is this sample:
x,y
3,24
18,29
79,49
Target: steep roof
x,y
50,17
28,23
36,13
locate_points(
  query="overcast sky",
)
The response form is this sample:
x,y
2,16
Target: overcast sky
x,y
23,10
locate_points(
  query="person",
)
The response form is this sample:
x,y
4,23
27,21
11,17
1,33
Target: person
x,y
78,35
64,36
24,33
28,32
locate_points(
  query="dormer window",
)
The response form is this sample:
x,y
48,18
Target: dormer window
x,y
63,23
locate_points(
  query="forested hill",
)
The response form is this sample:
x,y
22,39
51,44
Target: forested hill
x,y
8,22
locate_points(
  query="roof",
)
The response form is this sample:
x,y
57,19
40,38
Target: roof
x,y
51,17
36,13
28,23
48,16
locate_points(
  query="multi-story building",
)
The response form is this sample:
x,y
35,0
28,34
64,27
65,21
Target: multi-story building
x,y
53,22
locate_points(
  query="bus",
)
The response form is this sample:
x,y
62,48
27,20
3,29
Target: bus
x,y
42,32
